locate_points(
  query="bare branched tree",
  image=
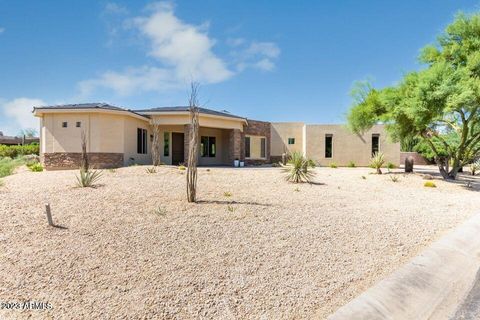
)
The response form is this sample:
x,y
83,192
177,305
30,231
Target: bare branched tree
x,y
156,149
193,143
84,161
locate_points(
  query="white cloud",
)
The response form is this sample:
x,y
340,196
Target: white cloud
x,y
115,8
18,113
180,51
183,51
2,30
257,55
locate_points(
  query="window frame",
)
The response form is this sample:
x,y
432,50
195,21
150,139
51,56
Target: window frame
x,y
208,147
64,124
291,141
78,124
377,137
248,152
142,142
328,151
166,144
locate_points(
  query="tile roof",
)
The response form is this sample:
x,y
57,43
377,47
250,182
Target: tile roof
x,y
186,108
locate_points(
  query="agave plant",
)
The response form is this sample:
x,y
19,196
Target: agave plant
x,y
377,161
88,178
298,169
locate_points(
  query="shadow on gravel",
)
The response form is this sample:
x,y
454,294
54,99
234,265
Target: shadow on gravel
x,y
233,202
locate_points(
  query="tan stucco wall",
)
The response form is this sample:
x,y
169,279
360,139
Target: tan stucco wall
x,y
348,146
204,121
280,132
106,133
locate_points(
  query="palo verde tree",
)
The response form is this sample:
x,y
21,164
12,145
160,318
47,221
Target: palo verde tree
x,y
439,105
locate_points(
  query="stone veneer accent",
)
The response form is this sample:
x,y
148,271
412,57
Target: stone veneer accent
x,y
257,128
72,160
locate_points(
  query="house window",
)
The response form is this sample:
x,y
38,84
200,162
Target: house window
x,y
328,146
263,147
247,147
166,144
141,141
375,143
255,147
78,124
291,140
208,147
64,124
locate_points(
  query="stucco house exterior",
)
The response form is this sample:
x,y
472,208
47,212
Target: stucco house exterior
x,y
120,137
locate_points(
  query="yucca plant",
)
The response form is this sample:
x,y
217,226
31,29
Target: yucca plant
x,y
88,178
298,169
151,170
474,167
377,161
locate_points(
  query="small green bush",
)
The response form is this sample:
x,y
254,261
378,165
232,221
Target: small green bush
x,y
364,178
351,164
151,170
160,211
391,166
35,167
377,161
15,151
227,194
297,169
8,165
230,208
311,163
333,165
429,184
87,179
394,178
182,168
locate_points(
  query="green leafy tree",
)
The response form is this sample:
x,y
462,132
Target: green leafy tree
x,y
440,105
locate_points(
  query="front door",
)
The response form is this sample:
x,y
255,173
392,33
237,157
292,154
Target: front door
x,y
177,148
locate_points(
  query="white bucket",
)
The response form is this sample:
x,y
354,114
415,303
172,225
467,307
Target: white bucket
x,y
236,163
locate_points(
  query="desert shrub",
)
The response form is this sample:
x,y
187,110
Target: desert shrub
x,y
311,163
35,167
15,151
182,167
391,166
112,170
230,208
429,184
333,165
296,189
297,169
475,167
364,178
394,178
377,161
227,194
351,164
8,165
88,178
160,211
151,170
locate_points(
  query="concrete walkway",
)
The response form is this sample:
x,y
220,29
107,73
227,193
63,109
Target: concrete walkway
x,y
441,283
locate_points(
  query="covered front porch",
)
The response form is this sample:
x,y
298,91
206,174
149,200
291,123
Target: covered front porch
x,y
220,139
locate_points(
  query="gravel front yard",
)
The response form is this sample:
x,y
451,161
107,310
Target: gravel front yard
x,y
271,250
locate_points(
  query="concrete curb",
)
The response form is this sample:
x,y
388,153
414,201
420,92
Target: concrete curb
x,y
431,286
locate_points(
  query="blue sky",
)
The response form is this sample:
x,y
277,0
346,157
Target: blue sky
x,y
266,60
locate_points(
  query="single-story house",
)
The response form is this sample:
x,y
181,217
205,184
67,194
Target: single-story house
x,y
16,140
121,137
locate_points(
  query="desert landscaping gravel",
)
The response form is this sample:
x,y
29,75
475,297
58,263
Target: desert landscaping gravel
x,y
253,247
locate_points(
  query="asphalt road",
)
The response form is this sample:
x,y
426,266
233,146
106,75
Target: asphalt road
x,y
470,308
